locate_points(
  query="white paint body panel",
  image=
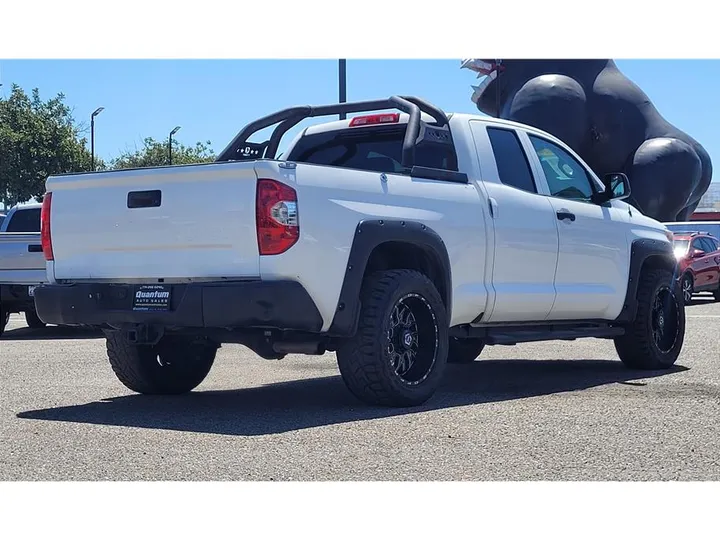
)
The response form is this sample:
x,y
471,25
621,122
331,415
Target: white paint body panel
x,y
332,201
517,264
204,227
526,244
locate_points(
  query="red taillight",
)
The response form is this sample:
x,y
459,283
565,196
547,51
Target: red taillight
x,y
388,118
276,217
45,236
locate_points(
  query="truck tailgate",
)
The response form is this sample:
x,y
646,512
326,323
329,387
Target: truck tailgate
x,y
194,221
21,259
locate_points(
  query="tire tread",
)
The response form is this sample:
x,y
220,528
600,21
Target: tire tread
x,y
358,359
635,348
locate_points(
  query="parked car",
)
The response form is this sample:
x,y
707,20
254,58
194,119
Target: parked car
x,y
399,241
698,255
710,227
22,265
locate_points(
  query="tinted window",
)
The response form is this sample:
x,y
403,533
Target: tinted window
x,y
706,245
565,176
512,164
370,149
714,243
25,221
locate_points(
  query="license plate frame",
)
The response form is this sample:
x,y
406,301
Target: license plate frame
x,y
155,297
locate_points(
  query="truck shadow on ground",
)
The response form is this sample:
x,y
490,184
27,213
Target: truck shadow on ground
x,y
50,332
307,403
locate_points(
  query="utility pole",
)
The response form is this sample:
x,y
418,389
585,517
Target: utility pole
x,y
342,84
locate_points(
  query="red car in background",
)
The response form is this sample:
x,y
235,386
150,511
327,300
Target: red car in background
x,y
698,256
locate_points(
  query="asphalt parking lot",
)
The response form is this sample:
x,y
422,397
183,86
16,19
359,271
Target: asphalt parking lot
x,y
548,411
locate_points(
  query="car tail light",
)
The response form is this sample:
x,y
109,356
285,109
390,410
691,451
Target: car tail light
x,y
388,118
45,236
276,217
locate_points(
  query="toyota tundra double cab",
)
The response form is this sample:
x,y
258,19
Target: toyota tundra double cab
x,y
401,240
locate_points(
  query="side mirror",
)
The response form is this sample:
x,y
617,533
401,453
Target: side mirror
x,y
697,253
617,186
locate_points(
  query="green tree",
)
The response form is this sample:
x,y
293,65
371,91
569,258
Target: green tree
x,y
155,153
37,139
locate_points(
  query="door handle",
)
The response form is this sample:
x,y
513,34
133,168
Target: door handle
x,y
493,207
144,199
35,248
565,214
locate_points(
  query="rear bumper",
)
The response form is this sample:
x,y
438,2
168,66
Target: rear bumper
x,y
272,304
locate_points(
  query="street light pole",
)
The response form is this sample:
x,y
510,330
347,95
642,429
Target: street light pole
x,y
342,84
173,132
92,136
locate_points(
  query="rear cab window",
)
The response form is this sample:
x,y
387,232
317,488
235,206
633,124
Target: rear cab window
x,y
24,221
377,149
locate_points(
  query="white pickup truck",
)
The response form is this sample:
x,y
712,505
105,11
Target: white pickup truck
x,y
22,265
399,240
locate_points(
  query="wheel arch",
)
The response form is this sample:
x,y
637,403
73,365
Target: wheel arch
x,y
645,255
390,245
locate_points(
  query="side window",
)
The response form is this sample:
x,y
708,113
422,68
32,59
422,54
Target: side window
x,y
714,243
565,176
512,164
706,245
698,244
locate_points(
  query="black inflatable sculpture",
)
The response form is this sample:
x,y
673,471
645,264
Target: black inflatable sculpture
x,y
608,120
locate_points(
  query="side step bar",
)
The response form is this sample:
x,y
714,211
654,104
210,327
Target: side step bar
x,y
512,335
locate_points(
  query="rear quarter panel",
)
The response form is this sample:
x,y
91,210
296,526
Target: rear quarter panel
x,y
331,203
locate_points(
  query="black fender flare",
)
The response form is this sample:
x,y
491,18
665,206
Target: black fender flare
x,y
642,251
369,234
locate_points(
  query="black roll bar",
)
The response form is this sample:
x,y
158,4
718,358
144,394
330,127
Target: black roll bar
x,y
288,118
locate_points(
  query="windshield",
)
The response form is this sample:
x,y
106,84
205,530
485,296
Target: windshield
x,y
680,247
681,244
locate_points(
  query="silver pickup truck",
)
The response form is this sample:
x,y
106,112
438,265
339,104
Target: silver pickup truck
x,y
22,265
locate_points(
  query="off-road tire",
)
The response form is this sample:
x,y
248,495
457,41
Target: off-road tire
x,y
176,365
366,360
638,348
464,351
33,321
687,283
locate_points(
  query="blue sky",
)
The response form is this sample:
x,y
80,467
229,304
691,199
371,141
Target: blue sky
x,y
212,100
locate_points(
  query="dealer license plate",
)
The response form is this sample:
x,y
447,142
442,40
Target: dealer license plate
x,y
152,298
